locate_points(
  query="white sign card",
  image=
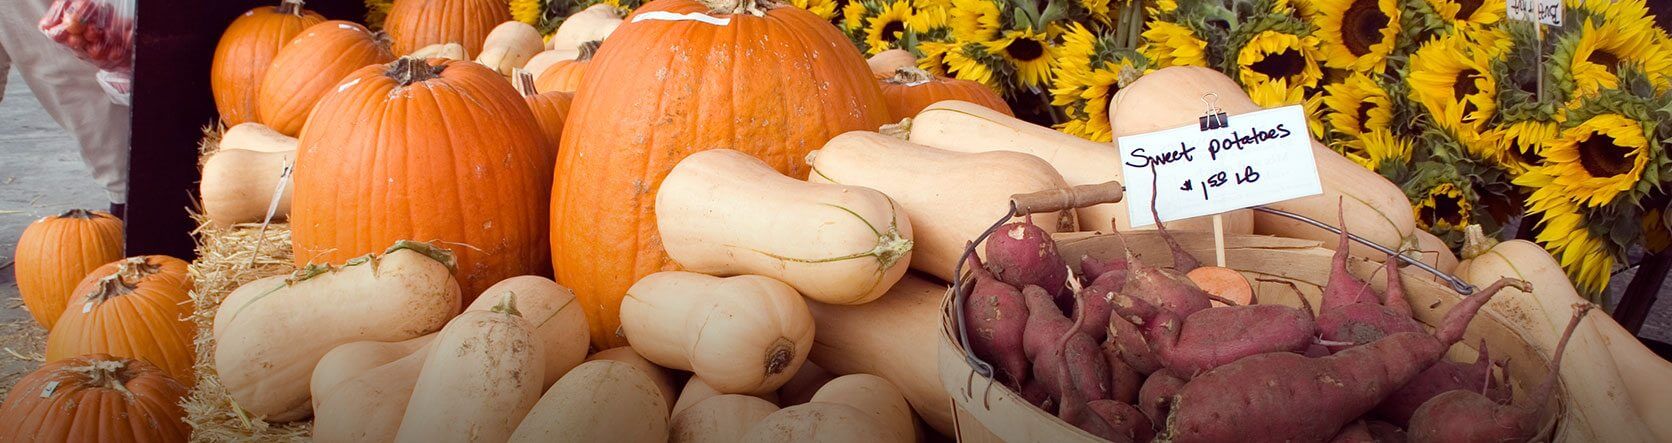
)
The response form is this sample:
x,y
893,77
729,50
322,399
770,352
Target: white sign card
x,y
1261,157
1548,12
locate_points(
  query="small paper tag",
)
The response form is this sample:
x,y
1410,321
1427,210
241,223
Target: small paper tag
x,y
51,387
1548,12
1260,157
672,17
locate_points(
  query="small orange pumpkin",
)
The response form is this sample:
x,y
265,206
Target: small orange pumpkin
x,y
246,49
55,253
310,66
550,108
95,398
912,89
414,24
137,307
566,75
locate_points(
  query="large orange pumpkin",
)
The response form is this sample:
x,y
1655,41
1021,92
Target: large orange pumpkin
x,y
137,307
550,108
56,252
439,151
911,89
566,75
415,24
769,80
310,66
246,48
95,398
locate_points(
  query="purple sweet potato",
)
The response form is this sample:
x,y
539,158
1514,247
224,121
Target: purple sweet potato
x,y
1444,376
1465,416
1127,422
1094,300
1366,321
1127,340
1357,432
1023,254
1092,268
1343,288
1124,382
1283,396
1214,337
1034,392
996,317
1155,398
1057,350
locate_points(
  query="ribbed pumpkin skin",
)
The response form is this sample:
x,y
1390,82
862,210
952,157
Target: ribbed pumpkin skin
x,y
140,309
456,160
309,67
908,95
414,24
550,110
563,76
82,409
56,252
246,48
775,87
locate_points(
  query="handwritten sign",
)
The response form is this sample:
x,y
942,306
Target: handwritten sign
x,y
1262,157
1548,12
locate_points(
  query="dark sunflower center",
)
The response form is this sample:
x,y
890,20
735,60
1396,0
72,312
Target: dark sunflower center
x,y
1364,115
1468,8
1024,50
892,31
1286,64
1361,26
1602,157
1465,87
1524,153
1446,209
1608,60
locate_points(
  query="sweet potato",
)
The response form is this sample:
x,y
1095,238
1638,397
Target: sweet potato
x,y
1343,288
1155,398
1022,254
1034,392
1444,376
1124,382
1063,359
1129,342
1183,262
1126,421
996,317
1213,337
1094,301
1370,432
1091,268
1284,396
1368,320
1225,283
1465,416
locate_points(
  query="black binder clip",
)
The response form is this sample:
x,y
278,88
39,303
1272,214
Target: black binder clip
x,y
1215,117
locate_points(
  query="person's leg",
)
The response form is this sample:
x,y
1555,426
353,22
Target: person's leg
x,y
5,70
67,88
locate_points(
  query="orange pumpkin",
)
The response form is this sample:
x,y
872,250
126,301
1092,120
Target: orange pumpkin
x,y
137,307
912,89
414,24
246,48
95,398
550,108
566,75
56,252
310,66
434,150
773,81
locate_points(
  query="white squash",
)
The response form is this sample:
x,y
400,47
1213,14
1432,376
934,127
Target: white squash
x,y
884,63
450,51
594,23
482,376
889,338
509,46
950,197
662,377
807,381
876,397
832,243
557,319
742,335
719,419
252,136
820,422
270,333
350,361
369,406
237,186
696,391
545,59
598,401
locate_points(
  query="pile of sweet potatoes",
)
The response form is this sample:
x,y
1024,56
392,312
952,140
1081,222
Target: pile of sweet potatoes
x,y
1131,352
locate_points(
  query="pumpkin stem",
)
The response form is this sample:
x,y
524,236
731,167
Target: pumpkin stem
x,y
523,81
507,305
756,8
588,49
440,254
1475,242
779,356
104,374
123,282
82,214
901,130
292,7
409,70
910,76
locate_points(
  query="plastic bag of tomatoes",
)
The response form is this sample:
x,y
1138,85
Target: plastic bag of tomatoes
x,y
99,31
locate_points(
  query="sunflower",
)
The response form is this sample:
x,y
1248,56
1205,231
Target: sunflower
x,y
1451,78
1172,44
976,21
1523,144
825,9
1469,14
1278,93
1028,53
932,57
885,29
1598,159
1357,106
1588,60
854,14
1087,75
929,16
1357,34
1566,232
1442,207
967,61
1655,235
1275,55
526,11
1377,148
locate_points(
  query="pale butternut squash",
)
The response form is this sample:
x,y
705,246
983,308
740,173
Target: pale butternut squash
x,y
509,46
889,338
951,197
968,127
1376,209
351,360
832,243
820,422
720,419
594,23
545,59
482,376
237,186
598,401
876,397
557,318
450,51
741,335
270,333
696,391
662,377
1605,403
884,63
254,136
369,406
804,384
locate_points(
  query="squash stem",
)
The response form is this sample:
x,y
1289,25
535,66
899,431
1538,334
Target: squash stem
x,y
507,305
1475,242
910,76
409,70
779,356
104,374
437,253
756,8
292,7
588,49
523,81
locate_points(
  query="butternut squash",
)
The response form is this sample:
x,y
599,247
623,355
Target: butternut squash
x,y
557,318
832,243
884,63
889,338
951,197
545,59
450,51
598,401
662,377
509,46
1375,208
270,333
696,391
968,127
482,376
349,361
369,406
820,422
741,335
594,23
719,419
254,136
806,382
876,397
1604,402
1434,252
237,186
